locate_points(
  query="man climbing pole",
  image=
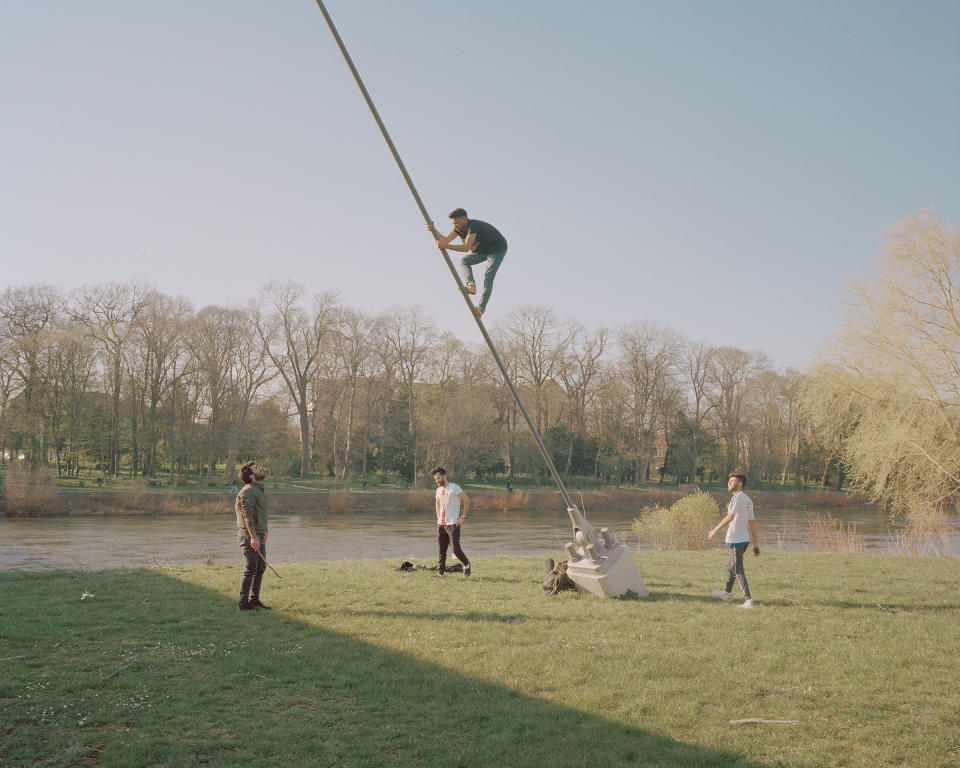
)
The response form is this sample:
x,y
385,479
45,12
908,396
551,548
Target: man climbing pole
x,y
482,242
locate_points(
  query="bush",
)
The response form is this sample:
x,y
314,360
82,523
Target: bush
x,y
683,525
28,491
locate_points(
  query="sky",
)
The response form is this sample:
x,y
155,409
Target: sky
x,y
718,168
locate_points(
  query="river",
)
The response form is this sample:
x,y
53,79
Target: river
x,y
100,542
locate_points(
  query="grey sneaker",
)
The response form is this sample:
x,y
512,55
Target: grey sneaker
x,y
746,604
722,594
466,569
438,575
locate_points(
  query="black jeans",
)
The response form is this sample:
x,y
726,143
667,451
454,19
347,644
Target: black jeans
x,y
253,568
447,534
735,569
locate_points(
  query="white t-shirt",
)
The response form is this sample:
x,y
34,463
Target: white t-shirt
x,y
741,508
448,504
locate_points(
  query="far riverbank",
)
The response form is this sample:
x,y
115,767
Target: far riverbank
x,y
52,502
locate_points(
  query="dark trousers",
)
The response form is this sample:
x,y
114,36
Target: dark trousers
x,y
735,568
446,535
253,568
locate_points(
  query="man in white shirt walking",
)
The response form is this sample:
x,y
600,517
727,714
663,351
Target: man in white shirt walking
x,y
742,530
452,505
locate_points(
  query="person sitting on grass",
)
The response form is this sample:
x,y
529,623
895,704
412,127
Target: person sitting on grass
x,y
740,519
482,242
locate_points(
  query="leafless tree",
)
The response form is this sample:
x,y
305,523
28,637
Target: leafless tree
x,y
695,368
409,335
539,346
580,373
109,313
26,314
648,362
295,340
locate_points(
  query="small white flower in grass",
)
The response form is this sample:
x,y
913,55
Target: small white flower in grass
x,y
86,594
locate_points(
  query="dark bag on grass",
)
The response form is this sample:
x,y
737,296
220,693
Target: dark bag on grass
x,y
557,580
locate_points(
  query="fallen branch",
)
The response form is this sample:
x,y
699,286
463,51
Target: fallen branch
x,y
761,720
12,658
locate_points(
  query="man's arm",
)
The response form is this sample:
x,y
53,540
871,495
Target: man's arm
x,y
720,525
254,541
467,246
445,241
464,507
752,525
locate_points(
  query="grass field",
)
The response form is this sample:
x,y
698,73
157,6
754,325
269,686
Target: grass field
x,y
360,665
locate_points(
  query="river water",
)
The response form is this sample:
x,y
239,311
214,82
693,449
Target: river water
x,y
99,542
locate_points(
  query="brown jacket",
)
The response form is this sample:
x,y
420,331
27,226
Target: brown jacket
x,y
251,506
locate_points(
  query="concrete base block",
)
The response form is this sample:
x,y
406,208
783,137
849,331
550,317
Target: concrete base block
x,y
612,574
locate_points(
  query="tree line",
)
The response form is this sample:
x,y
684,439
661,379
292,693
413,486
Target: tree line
x,y
128,381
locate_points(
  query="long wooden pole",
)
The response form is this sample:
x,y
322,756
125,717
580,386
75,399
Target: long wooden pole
x,y
426,216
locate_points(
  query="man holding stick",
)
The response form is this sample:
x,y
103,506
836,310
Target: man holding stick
x,y
251,509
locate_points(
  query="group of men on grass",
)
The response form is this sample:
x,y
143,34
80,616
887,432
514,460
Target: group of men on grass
x,y
451,505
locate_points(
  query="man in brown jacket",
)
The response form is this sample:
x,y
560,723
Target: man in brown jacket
x,y
251,509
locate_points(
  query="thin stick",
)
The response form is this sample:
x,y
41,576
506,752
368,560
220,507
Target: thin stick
x,y
268,565
14,658
761,720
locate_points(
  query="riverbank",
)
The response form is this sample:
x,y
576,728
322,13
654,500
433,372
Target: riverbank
x,y
50,501
852,658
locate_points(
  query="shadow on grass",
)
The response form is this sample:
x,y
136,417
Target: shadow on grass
x,y
225,688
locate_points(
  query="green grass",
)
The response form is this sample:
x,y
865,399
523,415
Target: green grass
x,y
360,665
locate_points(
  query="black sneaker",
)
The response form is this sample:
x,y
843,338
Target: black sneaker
x,y
247,607
466,569
255,602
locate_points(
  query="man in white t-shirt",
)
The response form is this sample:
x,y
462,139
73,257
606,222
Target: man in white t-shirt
x,y
742,530
452,505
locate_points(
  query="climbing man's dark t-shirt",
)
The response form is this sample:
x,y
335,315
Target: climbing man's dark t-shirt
x,y
489,239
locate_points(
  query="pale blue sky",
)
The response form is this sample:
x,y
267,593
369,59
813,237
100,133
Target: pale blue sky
x,y
716,167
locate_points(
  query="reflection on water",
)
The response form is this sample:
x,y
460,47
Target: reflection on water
x,y
137,541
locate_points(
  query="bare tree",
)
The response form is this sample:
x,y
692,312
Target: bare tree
x,y
10,384
408,334
695,369
729,378
539,347
580,373
248,371
295,340
160,341
26,314
648,361
109,313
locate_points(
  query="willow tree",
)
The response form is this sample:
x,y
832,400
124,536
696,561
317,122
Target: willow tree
x,y
887,393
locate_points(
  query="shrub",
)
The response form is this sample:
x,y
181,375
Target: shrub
x,y
683,525
28,491
827,534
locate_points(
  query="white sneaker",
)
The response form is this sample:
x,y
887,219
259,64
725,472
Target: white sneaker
x,y
746,604
722,594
